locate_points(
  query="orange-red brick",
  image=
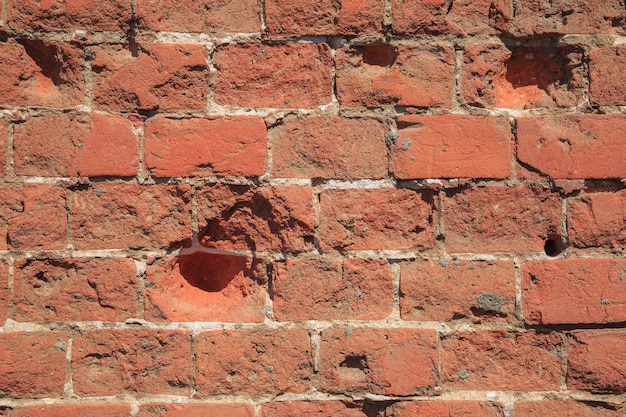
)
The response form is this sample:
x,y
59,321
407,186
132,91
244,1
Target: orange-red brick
x,y
76,145
452,146
380,361
596,361
110,362
75,289
235,146
574,291
551,408
4,292
32,364
262,362
4,134
432,290
282,76
380,75
445,409
573,146
73,410
313,409
607,86
501,360
332,289
320,147
195,410
597,220
367,219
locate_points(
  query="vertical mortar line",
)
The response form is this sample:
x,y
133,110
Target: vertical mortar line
x,y
10,170
395,288
438,382
270,152
69,203
387,16
3,13
195,228
564,231
513,123
315,339
457,101
140,131
140,276
317,210
194,371
586,80
564,362
441,225
263,18
212,71
11,286
518,289
68,387
89,79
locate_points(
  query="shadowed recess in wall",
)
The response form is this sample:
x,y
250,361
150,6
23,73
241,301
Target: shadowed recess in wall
x,y
213,272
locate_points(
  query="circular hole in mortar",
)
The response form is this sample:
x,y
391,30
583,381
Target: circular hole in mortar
x,y
554,245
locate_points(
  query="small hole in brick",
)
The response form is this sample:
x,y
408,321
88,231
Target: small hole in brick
x,y
554,245
355,362
380,55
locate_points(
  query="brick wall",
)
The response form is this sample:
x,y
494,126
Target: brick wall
x,y
317,208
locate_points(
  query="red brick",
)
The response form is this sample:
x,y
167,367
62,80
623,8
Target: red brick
x,y
452,146
162,76
607,85
329,289
281,76
313,409
110,362
116,216
522,77
264,362
75,289
380,75
445,409
41,73
32,364
195,410
536,17
567,408
315,18
573,146
115,15
205,287
204,16
241,217
441,17
574,291
4,135
35,216
395,219
234,146
73,410
597,361
597,220
379,361
76,145
501,219
4,292
321,147
501,360
446,290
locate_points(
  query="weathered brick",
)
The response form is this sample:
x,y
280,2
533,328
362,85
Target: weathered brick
x,y
566,408
445,409
380,361
41,73
73,410
195,410
282,76
573,146
75,289
161,76
241,217
264,362
110,362
205,287
379,75
76,145
536,17
441,17
501,219
596,361
34,217
321,147
32,364
366,219
327,17
452,146
313,409
597,220
69,15
234,146
116,216
607,84
332,289
446,290
522,77
4,135
501,360
4,292
574,291
204,16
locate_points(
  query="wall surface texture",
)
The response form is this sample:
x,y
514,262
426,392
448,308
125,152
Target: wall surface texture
x,y
272,208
